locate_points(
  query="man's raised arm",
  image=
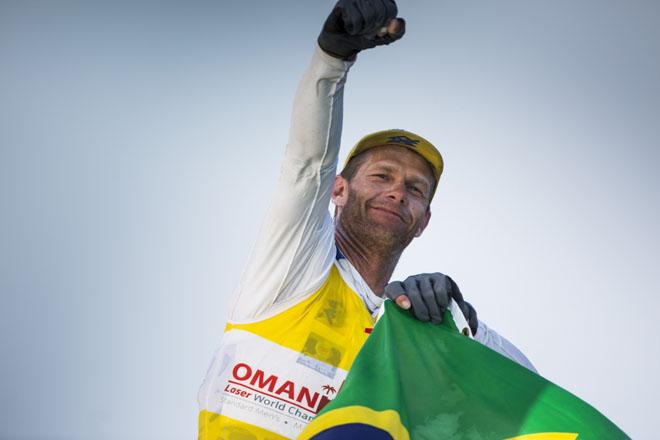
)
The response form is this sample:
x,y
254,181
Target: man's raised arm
x,y
295,246
352,26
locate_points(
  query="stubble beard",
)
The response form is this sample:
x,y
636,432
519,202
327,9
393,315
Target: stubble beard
x,y
371,234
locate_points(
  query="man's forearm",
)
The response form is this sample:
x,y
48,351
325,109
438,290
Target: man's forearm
x,y
292,249
352,26
316,119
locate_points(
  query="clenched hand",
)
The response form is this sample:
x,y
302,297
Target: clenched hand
x,y
429,295
355,25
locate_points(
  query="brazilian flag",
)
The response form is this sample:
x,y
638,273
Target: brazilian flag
x,y
415,380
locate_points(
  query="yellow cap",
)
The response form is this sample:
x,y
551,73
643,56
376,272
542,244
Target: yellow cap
x,y
401,138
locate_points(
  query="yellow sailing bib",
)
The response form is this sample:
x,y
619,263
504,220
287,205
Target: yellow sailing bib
x,y
269,378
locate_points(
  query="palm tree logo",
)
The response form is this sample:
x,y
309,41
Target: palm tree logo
x,y
329,389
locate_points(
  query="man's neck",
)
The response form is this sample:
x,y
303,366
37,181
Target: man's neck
x,y
375,265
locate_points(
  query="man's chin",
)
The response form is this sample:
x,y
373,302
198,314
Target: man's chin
x,y
384,228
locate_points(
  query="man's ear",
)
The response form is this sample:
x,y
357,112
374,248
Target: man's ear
x,y
340,192
424,224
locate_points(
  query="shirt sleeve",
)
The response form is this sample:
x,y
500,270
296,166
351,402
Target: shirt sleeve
x,y
295,246
494,341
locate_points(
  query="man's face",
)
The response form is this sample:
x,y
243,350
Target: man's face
x,y
387,199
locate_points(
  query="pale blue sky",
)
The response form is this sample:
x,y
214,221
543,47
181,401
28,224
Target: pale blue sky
x,y
139,144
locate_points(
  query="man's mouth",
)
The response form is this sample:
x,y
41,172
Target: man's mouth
x,y
391,212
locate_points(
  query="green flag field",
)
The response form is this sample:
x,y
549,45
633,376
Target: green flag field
x,y
415,380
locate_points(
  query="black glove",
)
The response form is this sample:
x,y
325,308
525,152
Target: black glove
x,y
429,295
354,25
470,316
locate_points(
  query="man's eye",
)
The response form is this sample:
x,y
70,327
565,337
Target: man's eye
x,y
381,176
416,190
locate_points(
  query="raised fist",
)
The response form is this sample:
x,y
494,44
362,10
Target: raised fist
x,y
355,25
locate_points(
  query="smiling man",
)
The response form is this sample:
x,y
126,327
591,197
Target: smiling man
x,y
382,200
313,286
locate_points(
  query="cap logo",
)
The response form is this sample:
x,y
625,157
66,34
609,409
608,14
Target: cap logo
x,y
403,140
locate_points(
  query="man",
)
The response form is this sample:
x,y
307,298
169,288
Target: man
x,y
313,287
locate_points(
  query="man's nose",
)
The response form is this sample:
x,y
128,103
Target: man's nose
x,y
397,192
